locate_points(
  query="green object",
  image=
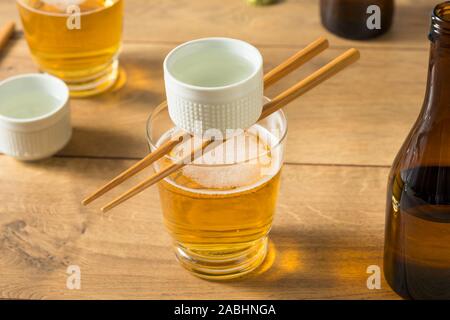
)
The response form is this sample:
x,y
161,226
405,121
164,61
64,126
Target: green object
x,y
261,2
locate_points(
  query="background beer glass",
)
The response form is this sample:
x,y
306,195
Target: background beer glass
x,y
77,41
219,212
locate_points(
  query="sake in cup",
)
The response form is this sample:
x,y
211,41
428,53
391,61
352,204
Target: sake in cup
x,y
34,116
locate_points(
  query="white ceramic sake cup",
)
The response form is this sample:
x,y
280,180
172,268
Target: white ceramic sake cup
x,y
41,136
199,108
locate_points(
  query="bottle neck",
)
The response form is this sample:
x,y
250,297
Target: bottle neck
x,y
438,88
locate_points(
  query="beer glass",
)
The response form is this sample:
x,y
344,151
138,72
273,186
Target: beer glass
x,y
77,41
219,209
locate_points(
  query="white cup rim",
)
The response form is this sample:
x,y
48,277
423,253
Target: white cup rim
x,y
259,64
62,101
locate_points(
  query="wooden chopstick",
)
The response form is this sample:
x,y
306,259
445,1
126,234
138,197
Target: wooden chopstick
x,y
167,171
5,34
270,78
162,150
296,61
310,82
321,75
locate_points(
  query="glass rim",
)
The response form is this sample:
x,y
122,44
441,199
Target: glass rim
x,y
279,140
61,14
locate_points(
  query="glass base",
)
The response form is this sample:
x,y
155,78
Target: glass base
x,y
97,84
224,264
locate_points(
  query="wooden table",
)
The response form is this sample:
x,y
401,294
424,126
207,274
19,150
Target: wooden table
x,y
330,222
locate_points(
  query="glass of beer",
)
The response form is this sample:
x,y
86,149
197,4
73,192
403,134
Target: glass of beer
x,y
77,41
219,209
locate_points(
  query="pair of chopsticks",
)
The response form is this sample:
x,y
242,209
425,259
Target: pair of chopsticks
x,y
291,64
5,34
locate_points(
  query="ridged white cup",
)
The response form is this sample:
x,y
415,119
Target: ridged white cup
x,y
40,137
197,109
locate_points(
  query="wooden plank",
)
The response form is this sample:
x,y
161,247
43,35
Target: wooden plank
x,y
360,117
289,23
327,231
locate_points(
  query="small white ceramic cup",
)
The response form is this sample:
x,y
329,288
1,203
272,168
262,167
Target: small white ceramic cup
x,y
34,116
214,83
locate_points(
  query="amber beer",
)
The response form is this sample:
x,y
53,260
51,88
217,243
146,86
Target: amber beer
x,y
75,40
219,212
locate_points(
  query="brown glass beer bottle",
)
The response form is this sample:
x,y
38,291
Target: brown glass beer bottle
x,y
417,237
357,19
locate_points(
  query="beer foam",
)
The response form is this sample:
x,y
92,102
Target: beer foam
x,y
229,177
63,4
241,163
230,165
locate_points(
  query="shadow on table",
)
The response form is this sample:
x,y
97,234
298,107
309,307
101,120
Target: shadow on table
x,y
296,260
101,143
140,82
6,50
119,129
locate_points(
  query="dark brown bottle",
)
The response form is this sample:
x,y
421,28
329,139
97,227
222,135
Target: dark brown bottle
x,y
417,238
354,19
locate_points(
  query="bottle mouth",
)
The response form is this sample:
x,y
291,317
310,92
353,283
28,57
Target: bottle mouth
x,y
440,20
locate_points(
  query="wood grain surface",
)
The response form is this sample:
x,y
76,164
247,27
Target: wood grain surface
x,y
327,231
288,23
342,139
359,117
